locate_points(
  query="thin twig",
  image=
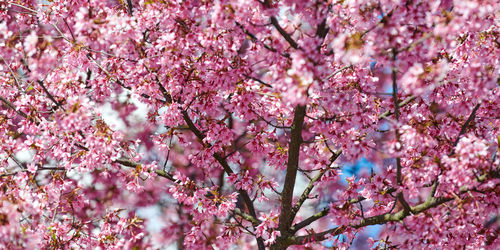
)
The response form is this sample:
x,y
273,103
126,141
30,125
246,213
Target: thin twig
x,y
338,71
51,97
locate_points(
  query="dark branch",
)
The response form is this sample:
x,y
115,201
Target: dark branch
x,y
396,114
463,130
464,127
132,164
11,106
283,33
129,5
51,97
285,219
280,29
222,161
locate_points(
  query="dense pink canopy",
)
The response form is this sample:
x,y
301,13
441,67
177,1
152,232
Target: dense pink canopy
x,y
235,121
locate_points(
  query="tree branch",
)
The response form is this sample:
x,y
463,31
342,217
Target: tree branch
x,y
463,130
401,104
310,186
431,202
396,114
255,222
338,71
39,169
118,81
280,29
132,164
51,97
325,211
283,33
465,126
254,38
310,220
129,5
11,106
285,219
222,161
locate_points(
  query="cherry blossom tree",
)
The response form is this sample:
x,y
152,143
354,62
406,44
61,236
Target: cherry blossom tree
x,y
236,121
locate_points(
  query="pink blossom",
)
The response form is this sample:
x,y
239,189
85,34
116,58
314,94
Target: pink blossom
x,y
249,124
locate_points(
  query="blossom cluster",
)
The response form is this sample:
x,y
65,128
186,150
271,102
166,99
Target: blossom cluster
x,y
237,120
